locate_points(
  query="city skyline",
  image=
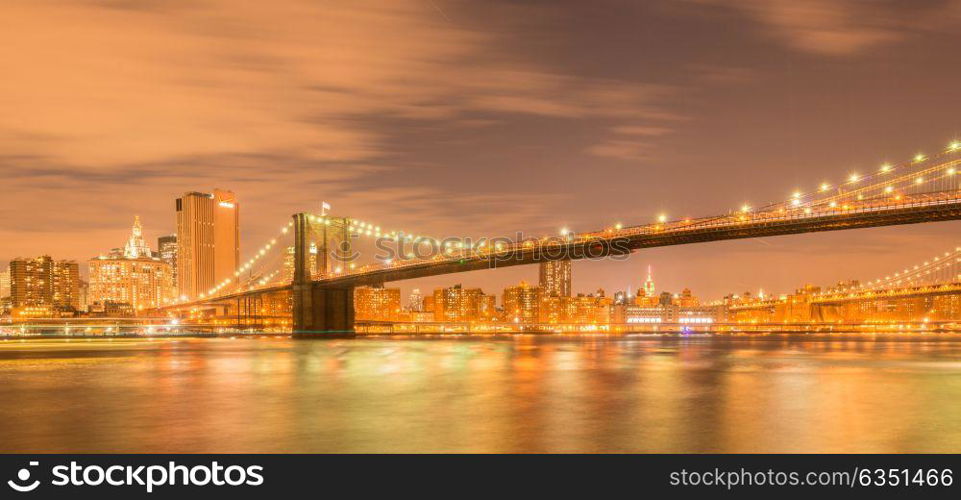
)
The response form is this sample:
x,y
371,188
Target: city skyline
x,y
640,284
615,133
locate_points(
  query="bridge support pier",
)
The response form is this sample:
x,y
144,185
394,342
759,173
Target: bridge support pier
x,y
319,311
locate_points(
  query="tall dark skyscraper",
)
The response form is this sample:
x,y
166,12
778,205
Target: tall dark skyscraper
x,y
167,251
555,278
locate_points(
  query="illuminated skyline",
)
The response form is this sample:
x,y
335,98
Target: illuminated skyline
x,y
437,110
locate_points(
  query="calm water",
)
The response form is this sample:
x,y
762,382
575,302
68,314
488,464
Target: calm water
x,y
508,394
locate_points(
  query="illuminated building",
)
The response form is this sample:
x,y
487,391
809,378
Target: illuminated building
x,y
669,313
555,278
135,277
45,284
457,304
167,251
649,290
5,283
687,299
487,308
554,309
521,303
415,301
208,241
376,303
110,309
591,309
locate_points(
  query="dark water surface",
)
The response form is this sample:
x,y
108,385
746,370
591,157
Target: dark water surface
x,y
482,394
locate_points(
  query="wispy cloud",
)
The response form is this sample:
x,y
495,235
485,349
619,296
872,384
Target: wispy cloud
x,y
843,27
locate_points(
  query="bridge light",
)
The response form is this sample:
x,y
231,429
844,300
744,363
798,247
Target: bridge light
x,y
807,210
952,171
283,230
797,194
825,186
745,208
885,168
854,178
954,146
888,189
618,226
662,218
796,202
919,157
833,204
919,180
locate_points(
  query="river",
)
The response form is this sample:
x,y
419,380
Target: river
x,y
520,393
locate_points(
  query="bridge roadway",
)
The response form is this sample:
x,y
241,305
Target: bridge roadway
x,y
875,212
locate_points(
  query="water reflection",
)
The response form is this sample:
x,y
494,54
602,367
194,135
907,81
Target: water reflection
x,y
503,394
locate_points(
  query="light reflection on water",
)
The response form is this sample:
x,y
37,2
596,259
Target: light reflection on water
x,y
482,394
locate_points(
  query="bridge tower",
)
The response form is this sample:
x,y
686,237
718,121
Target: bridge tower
x,y
319,310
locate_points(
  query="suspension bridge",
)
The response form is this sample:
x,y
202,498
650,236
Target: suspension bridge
x,y
312,285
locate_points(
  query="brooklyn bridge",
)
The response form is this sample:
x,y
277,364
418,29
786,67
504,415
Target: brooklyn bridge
x,y
316,296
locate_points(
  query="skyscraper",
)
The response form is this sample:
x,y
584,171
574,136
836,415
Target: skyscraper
x,y
134,277
555,278
208,240
649,290
167,251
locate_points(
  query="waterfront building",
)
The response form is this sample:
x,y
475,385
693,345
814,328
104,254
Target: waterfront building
x,y
522,303
667,313
44,285
377,303
555,278
134,276
457,304
208,241
111,309
555,309
167,251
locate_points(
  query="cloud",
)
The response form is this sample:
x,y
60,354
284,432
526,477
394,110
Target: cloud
x,y
842,27
620,149
114,107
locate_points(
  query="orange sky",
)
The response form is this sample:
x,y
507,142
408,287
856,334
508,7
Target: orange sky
x,y
477,118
